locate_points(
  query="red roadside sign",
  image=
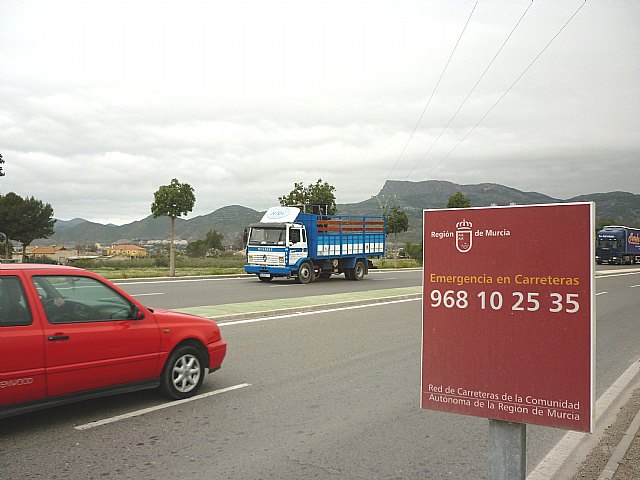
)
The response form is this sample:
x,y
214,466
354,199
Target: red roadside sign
x,y
508,328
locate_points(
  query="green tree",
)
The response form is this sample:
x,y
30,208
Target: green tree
x,y
238,242
458,200
602,222
320,193
173,200
25,219
197,249
414,250
397,222
211,242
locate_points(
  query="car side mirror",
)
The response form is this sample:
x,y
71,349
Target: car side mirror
x,y
138,314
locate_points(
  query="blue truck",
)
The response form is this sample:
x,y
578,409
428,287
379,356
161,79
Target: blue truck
x,y
616,244
288,242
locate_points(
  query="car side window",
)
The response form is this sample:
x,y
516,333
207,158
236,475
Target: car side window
x,y
73,299
14,308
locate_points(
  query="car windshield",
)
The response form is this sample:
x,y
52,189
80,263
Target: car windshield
x,y
267,236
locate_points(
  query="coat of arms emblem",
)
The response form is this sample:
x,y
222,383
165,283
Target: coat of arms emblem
x,y
464,236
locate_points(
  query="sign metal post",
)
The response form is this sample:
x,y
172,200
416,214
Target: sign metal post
x,y
507,450
508,329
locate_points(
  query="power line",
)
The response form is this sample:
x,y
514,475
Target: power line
x,y
508,89
433,92
471,91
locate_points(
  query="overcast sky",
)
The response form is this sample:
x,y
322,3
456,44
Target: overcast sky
x,y
103,102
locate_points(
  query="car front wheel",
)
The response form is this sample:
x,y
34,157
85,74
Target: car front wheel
x,y
183,373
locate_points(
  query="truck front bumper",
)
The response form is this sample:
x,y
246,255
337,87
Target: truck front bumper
x,y
274,271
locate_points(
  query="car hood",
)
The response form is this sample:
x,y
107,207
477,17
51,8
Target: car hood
x,y
173,315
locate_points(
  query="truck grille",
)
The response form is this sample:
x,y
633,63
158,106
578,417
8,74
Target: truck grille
x,y
266,258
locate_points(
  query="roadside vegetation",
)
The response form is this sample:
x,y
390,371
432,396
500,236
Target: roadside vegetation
x,y
401,263
225,264
159,267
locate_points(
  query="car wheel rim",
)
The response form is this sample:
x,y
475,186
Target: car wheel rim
x,y
186,373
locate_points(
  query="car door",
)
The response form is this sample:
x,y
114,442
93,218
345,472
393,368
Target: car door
x,y
95,336
22,364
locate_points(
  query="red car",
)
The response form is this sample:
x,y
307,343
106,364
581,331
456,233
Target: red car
x,y
67,334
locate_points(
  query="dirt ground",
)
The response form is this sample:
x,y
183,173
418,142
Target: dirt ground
x,y
595,462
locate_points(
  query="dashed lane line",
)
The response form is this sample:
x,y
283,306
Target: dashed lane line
x,y
144,411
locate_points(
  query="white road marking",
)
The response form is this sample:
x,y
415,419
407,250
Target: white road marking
x,y
555,459
249,278
602,275
601,293
313,312
634,286
147,294
382,271
144,411
184,280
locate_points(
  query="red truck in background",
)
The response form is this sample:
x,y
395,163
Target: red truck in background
x,y
67,334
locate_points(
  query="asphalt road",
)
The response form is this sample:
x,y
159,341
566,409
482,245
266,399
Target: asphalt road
x,y
617,332
191,292
321,395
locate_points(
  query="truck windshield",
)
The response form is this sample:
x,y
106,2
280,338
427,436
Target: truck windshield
x,y
267,236
607,243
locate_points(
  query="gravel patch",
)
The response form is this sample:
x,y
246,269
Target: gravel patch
x,y
596,460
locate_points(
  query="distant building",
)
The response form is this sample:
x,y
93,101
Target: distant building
x,y
127,250
58,253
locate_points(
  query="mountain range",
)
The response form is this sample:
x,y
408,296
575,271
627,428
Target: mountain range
x,y
621,208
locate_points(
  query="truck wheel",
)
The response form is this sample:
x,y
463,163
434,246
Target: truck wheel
x,y
265,279
349,273
306,273
358,271
183,373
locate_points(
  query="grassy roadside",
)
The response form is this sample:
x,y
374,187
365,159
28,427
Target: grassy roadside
x,y
186,267
116,274
159,267
401,263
